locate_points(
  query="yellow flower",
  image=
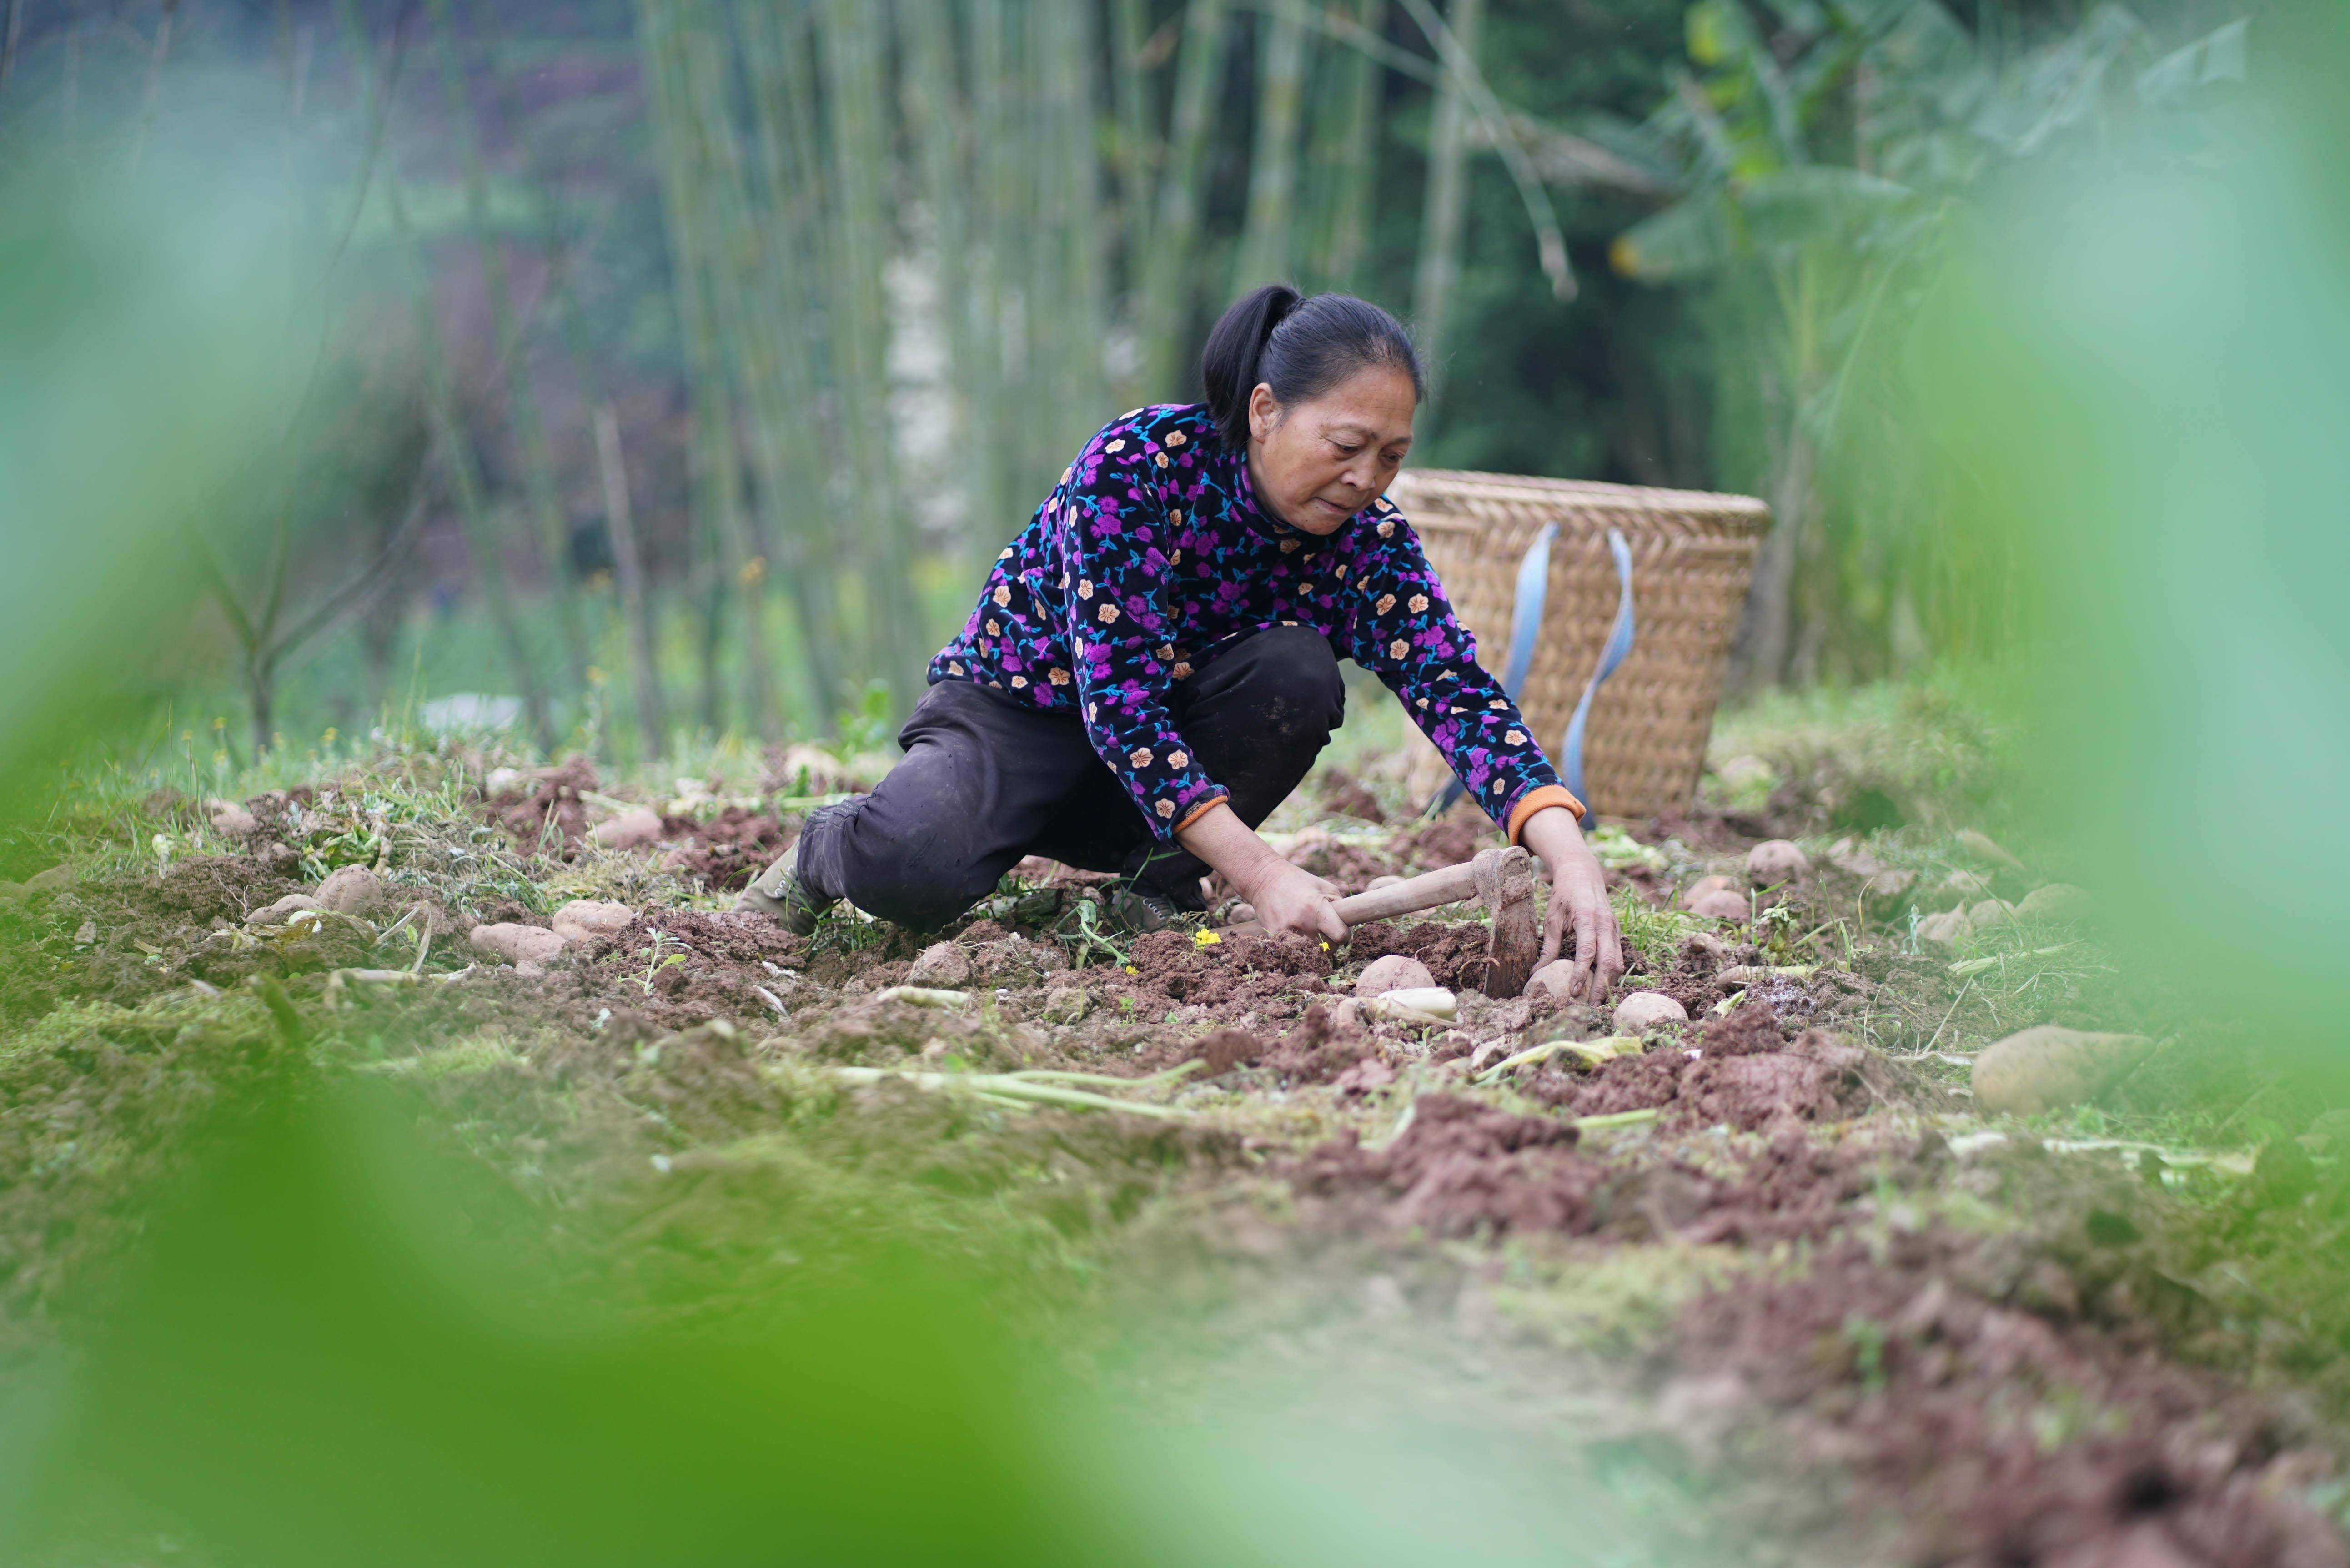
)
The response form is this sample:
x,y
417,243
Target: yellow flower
x,y
1418,602
1165,808
1205,939
1108,614
1178,759
328,738
1003,595
1057,676
1139,757
1396,650
1387,603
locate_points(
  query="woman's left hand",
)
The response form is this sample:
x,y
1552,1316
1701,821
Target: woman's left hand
x,y
1578,902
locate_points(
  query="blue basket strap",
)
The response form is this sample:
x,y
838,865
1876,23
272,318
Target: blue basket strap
x,y
1526,630
1619,643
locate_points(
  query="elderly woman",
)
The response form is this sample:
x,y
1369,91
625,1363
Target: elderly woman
x,y
1153,664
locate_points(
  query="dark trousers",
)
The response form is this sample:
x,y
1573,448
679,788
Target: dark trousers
x,y
988,778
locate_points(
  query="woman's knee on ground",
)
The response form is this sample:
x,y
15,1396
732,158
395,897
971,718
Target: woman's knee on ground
x,y
1290,678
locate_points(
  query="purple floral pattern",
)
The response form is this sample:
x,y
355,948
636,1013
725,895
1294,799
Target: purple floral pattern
x,y
1151,557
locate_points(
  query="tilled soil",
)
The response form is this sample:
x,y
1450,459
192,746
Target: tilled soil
x,y
1874,1344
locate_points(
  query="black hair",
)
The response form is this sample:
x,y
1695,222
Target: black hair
x,y
1299,347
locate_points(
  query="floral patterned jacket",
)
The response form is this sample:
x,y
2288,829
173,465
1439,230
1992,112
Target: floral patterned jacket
x,y
1151,557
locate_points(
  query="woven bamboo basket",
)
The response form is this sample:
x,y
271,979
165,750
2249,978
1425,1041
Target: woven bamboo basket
x,y
1692,556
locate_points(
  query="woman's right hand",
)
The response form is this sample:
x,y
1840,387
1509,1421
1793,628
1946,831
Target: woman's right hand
x,y
1288,898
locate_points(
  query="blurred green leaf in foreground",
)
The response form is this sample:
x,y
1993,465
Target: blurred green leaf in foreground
x,y
141,374
2139,366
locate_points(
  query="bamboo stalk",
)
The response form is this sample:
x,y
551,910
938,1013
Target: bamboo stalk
x,y
995,507
1137,152
1356,158
1439,270
628,571
1166,281
554,534
456,445
1273,173
734,244
781,377
716,476
1079,313
878,532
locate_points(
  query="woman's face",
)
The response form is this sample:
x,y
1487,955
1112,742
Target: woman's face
x,y
1317,462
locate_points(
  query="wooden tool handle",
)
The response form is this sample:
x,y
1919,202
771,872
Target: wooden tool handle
x,y
1414,894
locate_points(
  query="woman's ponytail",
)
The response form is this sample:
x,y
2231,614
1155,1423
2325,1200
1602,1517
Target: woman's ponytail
x,y
1300,348
1228,365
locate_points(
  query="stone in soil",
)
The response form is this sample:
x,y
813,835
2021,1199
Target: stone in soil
x,y
2049,1068
583,918
517,944
1396,971
1944,929
2057,901
278,914
1645,1010
1554,980
352,891
632,829
1713,884
1776,861
1720,904
231,820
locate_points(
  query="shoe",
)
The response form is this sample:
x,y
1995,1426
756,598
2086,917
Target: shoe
x,y
777,893
1137,908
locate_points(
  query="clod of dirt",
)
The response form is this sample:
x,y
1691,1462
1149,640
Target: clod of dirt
x,y
1720,904
1776,861
231,820
1318,1050
1227,1049
2057,901
517,944
1066,1004
1014,961
1394,972
940,964
630,830
583,918
1460,1167
278,913
2048,1068
1645,1010
352,891
1945,930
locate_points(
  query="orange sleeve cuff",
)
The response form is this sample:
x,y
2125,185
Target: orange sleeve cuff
x,y
1205,806
1536,800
